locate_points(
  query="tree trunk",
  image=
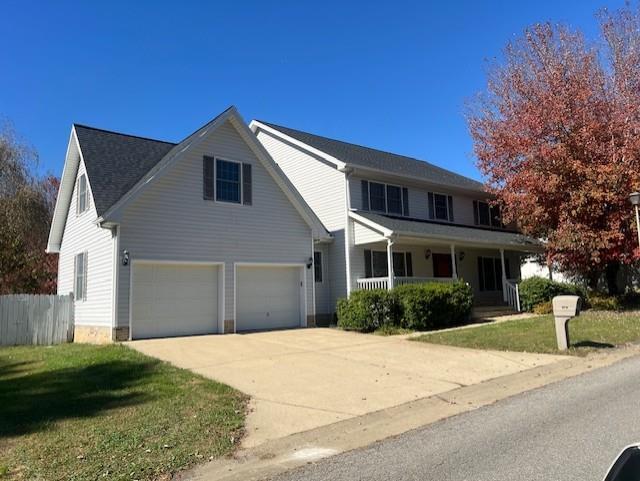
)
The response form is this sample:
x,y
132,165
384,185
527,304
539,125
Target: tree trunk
x,y
592,280
611,274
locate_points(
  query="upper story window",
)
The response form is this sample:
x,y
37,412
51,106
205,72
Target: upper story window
x,y
440,206
227,181
386,198
484,214
82,196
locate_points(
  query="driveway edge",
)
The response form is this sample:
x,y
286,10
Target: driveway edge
x,y
279,455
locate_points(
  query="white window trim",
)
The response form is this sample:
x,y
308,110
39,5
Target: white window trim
x,y
86,194
404,257
386,197
446,203
215,181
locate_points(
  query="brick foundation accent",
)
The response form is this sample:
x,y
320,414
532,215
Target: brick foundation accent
x,y
229,326
311,320
120,334
92,334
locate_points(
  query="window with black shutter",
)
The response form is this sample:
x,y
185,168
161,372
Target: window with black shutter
x,y
247,188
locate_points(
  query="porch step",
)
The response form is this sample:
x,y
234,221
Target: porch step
x,y
487,312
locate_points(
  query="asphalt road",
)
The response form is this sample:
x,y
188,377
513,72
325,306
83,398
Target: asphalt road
x,y
568,431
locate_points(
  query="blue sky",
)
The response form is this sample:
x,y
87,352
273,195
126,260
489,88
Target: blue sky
x,y
390,75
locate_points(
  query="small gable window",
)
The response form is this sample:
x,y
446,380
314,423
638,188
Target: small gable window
x,y
227,181
82,197
228,185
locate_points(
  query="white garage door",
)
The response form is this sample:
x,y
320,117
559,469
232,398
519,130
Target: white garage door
x,y
173,300
268,297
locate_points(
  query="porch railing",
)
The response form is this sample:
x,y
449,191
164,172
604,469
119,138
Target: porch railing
x,y
512,295
370,283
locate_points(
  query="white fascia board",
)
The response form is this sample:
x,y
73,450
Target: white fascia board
x,y
65,191
372,225
255,125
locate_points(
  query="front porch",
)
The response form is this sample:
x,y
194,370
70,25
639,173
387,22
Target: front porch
x,y
488,272
385,259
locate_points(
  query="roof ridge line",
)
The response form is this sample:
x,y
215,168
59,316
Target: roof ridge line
x,y
75,124
388,152
344,142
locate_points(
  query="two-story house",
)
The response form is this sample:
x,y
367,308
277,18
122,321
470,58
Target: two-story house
x,y
163,239
396,220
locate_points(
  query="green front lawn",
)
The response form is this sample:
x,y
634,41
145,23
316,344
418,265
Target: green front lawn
x,y
591,331
80,412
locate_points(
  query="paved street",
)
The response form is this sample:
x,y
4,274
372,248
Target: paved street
x,y
567,431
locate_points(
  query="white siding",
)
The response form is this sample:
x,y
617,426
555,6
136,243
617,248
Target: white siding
x,y
323,188
323,290
170,220
364,235
81,234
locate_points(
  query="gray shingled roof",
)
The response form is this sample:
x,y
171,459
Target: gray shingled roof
x,y
358,155
115,162
450,231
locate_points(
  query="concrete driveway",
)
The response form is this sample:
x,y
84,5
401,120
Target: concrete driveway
x,y
305,378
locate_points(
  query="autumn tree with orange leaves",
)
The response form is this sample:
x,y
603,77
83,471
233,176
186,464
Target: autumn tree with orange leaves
x,y
557,135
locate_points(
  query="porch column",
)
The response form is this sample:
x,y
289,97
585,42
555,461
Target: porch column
x,y
454,268
390,263
504,276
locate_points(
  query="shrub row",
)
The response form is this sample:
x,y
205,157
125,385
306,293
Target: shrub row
x,y
539,290
426,306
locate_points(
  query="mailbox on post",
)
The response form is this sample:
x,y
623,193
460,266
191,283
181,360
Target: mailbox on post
x,y
565,308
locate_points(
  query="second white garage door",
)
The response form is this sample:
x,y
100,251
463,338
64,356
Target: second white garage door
x,y
268,297
174,300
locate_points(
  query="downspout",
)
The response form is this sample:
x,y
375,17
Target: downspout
x,y
347,229
116,273
313,281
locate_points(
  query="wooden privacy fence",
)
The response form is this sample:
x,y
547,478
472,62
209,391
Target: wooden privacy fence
x,y
35,319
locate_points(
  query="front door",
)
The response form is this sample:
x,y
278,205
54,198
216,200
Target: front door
x,y
442,265
490,273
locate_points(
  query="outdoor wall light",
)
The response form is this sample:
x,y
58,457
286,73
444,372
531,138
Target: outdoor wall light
x,y
125,258
461,256
309,262
427,253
